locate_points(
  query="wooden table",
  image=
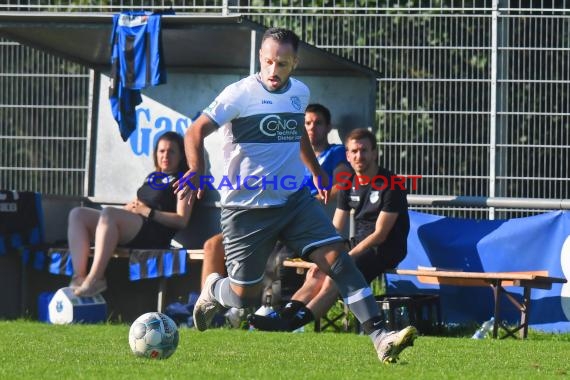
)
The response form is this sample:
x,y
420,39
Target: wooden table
x,y
496,280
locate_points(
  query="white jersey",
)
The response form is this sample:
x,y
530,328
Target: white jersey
x,y
262,132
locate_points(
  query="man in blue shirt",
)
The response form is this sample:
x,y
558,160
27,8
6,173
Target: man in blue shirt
x,y
331,157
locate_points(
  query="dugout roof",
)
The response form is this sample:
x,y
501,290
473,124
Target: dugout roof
x,y
189,41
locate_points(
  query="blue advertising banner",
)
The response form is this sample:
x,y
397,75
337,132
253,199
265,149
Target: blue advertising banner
x,y
540,242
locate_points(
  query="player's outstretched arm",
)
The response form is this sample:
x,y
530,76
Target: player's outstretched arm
x,y
194,149
320,177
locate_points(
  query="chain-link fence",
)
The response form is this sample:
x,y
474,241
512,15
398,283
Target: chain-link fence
x,y
473,95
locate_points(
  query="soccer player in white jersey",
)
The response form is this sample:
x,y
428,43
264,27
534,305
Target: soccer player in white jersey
x,y
265,147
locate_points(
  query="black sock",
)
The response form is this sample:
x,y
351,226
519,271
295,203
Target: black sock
x,y
291,308
373,324
272,322
275,322
301,318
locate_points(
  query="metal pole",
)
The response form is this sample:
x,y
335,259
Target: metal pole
x,y
493,107
90,111
504,202
252,53
91,141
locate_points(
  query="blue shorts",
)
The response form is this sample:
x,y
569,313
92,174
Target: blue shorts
x,y
251,234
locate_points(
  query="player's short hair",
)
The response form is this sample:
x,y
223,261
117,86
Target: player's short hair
x,y
281,35
320,109
361,134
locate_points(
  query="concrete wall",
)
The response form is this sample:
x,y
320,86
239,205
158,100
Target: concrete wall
x,y
120,167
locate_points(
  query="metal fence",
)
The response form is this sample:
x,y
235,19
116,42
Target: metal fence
x,y
473,95
43,121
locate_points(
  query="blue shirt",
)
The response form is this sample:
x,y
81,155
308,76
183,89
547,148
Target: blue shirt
x,y
329,159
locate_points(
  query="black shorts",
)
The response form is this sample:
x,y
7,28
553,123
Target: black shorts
x,y
152,235
377,260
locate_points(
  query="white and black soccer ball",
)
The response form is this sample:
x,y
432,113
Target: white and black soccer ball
x,y
153,335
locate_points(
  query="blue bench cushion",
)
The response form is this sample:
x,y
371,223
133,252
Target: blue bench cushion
x,y
143,263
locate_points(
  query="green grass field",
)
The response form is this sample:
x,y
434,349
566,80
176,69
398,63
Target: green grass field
x,y
33,350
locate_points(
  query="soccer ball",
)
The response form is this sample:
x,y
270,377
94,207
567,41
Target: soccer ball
x,y
153,335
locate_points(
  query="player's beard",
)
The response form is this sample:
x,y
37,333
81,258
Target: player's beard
x,y
276,85
362,167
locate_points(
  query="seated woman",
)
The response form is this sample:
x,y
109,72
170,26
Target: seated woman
x,y
149,221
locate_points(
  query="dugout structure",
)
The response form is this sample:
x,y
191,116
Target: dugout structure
x,y
203,54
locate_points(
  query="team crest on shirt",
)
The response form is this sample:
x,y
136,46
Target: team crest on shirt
x,y
296,102
374,196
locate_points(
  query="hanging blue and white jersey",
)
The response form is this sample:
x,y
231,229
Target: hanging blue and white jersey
x,y
138,40
136,62
262,132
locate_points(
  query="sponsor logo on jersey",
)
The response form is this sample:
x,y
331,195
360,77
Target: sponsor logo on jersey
x,y
281,128
296,102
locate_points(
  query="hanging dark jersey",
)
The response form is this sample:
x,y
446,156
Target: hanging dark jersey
x,y
138,50
136,62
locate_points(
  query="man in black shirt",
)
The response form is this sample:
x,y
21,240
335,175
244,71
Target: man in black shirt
x,y
378,198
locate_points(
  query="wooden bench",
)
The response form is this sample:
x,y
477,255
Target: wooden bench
x,y
34,254
496,280
125,253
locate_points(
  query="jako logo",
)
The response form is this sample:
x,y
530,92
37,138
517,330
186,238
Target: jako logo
x,y
273,125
